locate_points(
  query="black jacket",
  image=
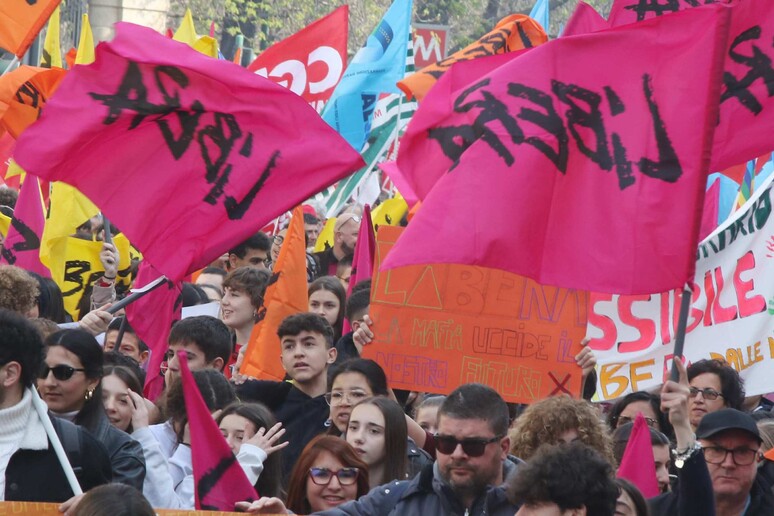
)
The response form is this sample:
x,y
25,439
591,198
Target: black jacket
x,y
691,496
126,457
37,475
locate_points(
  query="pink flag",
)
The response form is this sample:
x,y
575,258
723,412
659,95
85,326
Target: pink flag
x,y
219,480
638,465
152,316
176,151
363,259
584,19
570,164
22,244
404,186
747,97
709,216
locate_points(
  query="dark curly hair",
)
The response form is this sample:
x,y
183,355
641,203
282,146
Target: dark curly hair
x,y
731,384
571,476
18,290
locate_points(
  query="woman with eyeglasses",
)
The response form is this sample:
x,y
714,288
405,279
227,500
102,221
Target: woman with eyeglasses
x,y
648,404
241,306
327,298
350,383
377,431
70,382
327,474
714,385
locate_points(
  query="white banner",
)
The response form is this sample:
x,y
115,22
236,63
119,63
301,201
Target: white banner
x,y
730,316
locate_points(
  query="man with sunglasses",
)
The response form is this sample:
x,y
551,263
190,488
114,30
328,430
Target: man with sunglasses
x,y
29,467
471,466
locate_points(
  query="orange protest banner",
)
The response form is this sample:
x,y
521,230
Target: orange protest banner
x,y
514,32
20,22
442,325
23,93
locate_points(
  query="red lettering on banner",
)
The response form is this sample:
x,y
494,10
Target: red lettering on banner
x,y
752,305
646,327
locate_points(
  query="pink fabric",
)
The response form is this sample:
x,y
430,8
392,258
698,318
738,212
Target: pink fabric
x,y
399,180
584,19
746,103
709,216
151,317
533,203
22,244
175,149
638,465
363,259
219,480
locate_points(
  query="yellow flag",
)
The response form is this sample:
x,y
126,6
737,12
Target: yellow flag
x,y
85,53
326,236
390,212
207,46
15,170
5,223
52,51
68,209
186,33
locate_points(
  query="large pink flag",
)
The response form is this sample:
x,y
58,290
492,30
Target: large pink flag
x,y
638,465
571,163
22,244
746,120
152,316
188,155
219,480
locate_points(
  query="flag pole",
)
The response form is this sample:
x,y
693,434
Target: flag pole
x,y
137,294
685,305
42,410
11,65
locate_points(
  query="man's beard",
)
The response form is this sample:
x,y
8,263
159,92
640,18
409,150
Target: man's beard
x,y
475,484
347,250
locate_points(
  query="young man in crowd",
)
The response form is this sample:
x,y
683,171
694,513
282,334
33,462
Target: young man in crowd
x,y
130,345
357,307
344,239
306,351
312,230
471,466
253,252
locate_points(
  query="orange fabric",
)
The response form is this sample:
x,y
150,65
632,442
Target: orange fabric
x,y
514,32
23,93
286,295
20,22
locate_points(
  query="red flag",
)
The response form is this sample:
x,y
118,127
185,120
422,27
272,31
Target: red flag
x,y
201,165
219,480
311,62
152,316
363,259
638,465
22,244
709,216
570,164
20,22
584,19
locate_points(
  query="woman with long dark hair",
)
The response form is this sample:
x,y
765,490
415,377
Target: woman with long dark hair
x,y
328,298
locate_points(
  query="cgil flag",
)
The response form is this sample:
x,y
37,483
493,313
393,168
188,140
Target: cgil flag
x,y
588,190
311,62
286,294
375,69
148,104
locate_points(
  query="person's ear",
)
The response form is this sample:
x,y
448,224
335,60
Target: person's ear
x,y
355,326
581,511
218,363
232,258
505,446
11,374
332,354
144,356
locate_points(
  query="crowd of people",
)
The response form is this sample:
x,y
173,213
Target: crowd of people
x,y
334,437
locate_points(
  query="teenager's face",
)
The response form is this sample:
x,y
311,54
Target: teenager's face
x,y
237,309
306,356
348,390
130,345
427,418
236,429
333,494
118,404
326,304
365,433
196,360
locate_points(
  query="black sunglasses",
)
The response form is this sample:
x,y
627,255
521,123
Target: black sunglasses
x,y
472,446
61,372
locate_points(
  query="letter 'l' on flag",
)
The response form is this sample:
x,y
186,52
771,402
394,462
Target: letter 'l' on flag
x,y
375,69
286,294
579,200
20,22
219,480
638,465
22,245
149,104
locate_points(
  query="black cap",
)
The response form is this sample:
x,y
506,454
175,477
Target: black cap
x,y
726,419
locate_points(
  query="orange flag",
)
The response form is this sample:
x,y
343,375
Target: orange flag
x,y
23,93
20,22
286,295
514,32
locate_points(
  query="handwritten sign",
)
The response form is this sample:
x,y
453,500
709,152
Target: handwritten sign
x,y
730,316
440,326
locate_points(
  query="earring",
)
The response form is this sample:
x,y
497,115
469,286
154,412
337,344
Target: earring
x,y
88,394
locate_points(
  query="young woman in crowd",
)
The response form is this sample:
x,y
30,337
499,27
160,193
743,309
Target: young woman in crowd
x,y
328,298
427,413
328,473
661,455
70,382
559,419
377,431
253,434
649,405
243,290
116,383
350,383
